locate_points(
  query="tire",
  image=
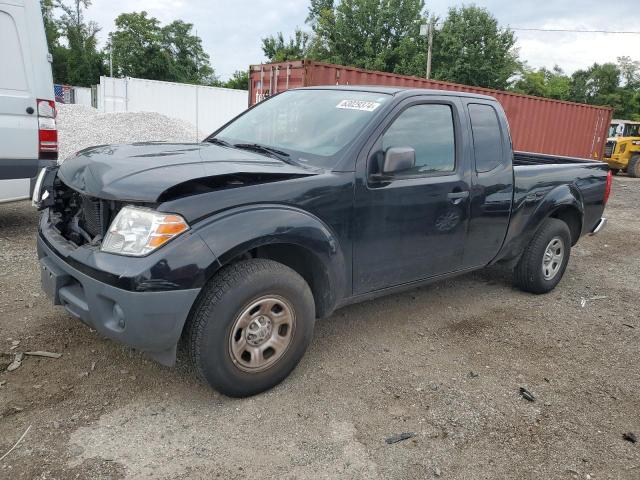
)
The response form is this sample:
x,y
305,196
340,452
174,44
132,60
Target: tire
x,y
540,272
614,171
633,169
250,307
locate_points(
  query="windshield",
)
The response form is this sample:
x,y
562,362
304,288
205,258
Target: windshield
x,y
311,125
624,130
632,130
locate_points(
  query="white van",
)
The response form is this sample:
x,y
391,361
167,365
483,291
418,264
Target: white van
x,y
28,135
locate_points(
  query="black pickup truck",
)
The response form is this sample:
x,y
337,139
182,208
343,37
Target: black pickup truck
x,y
311,200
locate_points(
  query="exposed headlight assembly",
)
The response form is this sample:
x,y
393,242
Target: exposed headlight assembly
x,y
138,231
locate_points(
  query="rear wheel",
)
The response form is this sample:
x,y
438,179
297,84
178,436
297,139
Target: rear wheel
x,y
251,327
545,259
633,169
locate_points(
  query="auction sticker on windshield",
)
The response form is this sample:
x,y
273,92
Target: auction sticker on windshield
x,y
358,105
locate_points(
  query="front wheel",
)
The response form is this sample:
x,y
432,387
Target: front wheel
x,y
633,169
545,259
250,327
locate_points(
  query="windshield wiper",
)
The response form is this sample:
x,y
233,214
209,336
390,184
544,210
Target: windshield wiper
x,y
256,147
218,141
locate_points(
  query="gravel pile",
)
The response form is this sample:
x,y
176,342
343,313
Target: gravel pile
x,y
80,126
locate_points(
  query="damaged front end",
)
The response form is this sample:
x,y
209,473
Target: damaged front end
x,y
79,218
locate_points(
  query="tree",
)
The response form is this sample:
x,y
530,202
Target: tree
x,y
373,34
190,61
76,60
277,50
142,48
472,49
543,83
83,61
239,80
50,24
615,85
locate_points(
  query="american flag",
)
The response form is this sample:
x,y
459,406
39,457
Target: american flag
x,y
62,93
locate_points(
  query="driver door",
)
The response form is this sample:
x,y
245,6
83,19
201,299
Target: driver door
x,y
411,225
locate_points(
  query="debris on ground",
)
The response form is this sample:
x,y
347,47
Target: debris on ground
x,y
527,395
17,361
81,126
399,438
473,374
16,444
14,344
630,437
44,354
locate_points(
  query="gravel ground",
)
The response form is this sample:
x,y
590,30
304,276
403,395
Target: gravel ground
x,y
80,126
445,362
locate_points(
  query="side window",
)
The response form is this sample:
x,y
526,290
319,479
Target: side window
x,y
487,141
12,74
428,129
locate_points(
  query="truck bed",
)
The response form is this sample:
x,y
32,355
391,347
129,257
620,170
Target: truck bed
x,y
528,158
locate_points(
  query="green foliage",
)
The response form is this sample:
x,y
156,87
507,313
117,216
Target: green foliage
x,y
276,49
373,34
472,49
544,83
140,47
239,80
610,84
77,61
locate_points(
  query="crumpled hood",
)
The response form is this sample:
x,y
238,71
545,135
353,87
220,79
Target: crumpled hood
x,y
143,171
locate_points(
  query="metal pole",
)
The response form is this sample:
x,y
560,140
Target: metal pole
x,y
429,47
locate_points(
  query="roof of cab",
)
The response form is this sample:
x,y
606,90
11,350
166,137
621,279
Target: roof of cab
x,y
400,91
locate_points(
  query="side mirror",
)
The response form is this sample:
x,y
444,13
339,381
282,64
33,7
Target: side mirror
x,y
398,159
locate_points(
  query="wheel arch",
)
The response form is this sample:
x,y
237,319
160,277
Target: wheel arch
x,y
287,235
563,202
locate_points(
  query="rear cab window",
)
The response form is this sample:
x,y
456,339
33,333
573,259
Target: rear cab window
x,y
487,137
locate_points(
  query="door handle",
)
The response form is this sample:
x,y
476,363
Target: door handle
x,y
457,197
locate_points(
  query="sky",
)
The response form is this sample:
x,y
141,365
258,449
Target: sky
x,y
231,31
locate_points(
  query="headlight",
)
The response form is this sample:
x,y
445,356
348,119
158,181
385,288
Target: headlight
x,y
138,231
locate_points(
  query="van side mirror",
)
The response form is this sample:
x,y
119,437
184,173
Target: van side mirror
x,y
398,159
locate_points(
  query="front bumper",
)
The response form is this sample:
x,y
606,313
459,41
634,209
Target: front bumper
x,y
151,321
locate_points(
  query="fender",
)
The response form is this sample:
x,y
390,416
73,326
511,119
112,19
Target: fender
x,y
236,231
529,213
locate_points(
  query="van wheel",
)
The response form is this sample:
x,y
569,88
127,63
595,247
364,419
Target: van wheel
x,y
633,169
250,327
545,259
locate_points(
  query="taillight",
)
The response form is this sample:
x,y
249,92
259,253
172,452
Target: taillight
x,y
607,188
47,132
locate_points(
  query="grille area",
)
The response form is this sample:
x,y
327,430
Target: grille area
x,y
80,218
92,216
609,147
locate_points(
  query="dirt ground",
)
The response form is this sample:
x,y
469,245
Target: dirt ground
x,y
445,362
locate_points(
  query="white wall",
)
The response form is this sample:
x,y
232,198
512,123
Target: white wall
x,y
207,108
82,95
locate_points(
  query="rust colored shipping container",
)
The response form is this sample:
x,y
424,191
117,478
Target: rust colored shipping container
x,y
537,124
